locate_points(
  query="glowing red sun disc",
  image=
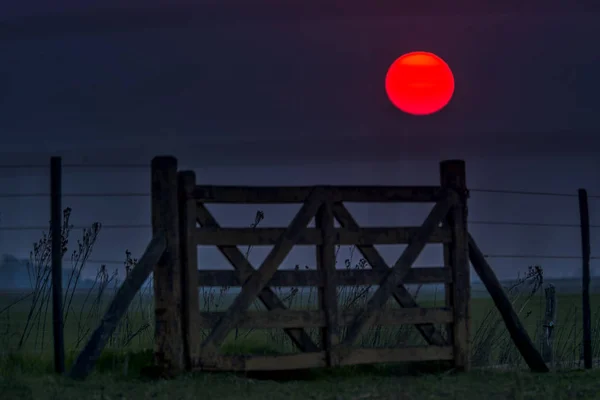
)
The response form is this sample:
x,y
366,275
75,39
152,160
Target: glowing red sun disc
x,y
419,83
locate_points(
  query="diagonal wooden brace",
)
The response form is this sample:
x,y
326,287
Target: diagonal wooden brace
x,y
260,277
397,273
244,269
431,335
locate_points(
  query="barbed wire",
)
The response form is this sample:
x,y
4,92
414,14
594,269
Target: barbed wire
x,y
558,257
147,166
106,262
103,194
519,256
76,165
530,193
102,226
147,194
540,224
148,226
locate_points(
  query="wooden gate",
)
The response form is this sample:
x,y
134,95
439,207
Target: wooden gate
x,y
181,222
446,223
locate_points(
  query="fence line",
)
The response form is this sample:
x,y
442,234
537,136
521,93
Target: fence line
x,y
146,226
472,222
530,193
102,226
108,262
537,256
105,194
146,166
76,165
145,194
540,224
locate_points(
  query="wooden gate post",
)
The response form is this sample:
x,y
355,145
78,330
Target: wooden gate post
x,y
453,177
328,301
168,334
190,305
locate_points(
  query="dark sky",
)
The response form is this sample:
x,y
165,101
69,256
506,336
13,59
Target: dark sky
x,y
274,95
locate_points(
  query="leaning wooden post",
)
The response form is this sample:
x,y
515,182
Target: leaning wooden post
x,y
168,334
517,331
189,268
118,307
453,177
585,293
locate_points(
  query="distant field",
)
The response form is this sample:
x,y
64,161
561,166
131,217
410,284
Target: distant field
x,y
26,353
27,328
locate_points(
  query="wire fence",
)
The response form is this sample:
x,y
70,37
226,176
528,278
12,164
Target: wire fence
x,y
131,227
44,229
563,226
136,229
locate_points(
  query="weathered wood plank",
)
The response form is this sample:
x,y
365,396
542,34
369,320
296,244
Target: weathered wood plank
x,y
131,285
243,269
401,295
317,318
448,286
453,177
330,334
517,331
313,236
357,356
397,273
189,266
318,359
311,277
258,280
298,194
168,332
263,363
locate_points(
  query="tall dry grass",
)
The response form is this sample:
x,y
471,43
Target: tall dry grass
x,y
25,320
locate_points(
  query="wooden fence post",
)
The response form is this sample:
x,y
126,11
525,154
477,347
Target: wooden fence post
x,y
56,215
453,177
189,268
584,218
328,301
547,334
448,286
168,334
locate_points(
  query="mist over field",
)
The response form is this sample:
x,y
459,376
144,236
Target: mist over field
x,y
15,274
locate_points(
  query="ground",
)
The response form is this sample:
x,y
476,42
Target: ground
x,y
474,385
27,373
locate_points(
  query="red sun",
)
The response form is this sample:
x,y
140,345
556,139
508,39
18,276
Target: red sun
x,y
419,83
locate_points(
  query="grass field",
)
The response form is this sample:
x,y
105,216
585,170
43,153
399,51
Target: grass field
x,y
364,386
26,343
26,348
25,322
25,374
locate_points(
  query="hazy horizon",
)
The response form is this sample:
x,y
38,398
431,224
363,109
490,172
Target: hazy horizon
x,y
290,97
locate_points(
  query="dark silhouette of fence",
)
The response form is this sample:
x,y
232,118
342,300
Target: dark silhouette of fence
x,y
279,278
